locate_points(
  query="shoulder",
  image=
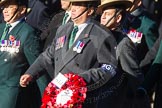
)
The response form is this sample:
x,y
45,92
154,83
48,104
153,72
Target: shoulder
x,y
26,27
100,30
126,44
100,36
58,15
65,26
26,31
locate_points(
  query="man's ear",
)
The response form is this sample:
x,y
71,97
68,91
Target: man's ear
x,y
119,18
90,11
23,9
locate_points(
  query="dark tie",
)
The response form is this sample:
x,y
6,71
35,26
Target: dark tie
x,y
5,32
72,36
65,18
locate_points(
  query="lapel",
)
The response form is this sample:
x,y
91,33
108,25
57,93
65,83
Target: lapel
x,y
70,54
15,30
68,32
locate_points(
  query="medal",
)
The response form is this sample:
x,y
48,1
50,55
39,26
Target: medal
x,y
60,42
77,45
80,47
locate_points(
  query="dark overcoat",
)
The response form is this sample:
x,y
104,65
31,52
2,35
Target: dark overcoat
x,y
129,63
99,49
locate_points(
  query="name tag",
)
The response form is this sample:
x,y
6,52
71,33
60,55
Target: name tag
x,y
59,80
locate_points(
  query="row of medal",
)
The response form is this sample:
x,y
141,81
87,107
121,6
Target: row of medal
x,y
9,46
61,41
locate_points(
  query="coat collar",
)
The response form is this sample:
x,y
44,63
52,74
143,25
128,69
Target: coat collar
x,y
16,29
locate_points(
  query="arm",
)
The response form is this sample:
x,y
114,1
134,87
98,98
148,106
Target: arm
x,y
154,72
97,77
43,62
128,58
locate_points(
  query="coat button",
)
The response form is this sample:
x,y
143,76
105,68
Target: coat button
x,y
77,64
156,11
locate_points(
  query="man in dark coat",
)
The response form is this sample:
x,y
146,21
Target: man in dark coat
x,y
49,33
113,14
19,47
41,12
95,61
141,22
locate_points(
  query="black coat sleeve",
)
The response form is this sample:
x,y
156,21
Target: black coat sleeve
x,y
97,77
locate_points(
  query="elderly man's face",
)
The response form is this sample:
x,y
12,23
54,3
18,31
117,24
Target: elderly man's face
x,y
11,12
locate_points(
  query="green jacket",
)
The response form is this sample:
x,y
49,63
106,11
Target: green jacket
x,y
13,65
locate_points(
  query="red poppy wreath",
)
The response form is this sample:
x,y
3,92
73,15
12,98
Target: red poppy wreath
x,y
71,93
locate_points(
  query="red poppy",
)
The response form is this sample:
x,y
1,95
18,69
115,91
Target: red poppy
x,y
12,38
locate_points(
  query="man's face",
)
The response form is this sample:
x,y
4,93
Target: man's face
x,y
108,17
11,12
65,4
76,10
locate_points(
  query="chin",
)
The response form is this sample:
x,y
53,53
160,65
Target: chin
x,y
102,23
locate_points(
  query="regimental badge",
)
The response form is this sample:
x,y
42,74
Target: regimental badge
x,y
79,46
135,36
60,42
10,46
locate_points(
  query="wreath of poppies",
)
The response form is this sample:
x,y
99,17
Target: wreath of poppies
x,y
71,95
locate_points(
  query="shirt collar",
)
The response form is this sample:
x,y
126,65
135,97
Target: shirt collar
x,y
15,23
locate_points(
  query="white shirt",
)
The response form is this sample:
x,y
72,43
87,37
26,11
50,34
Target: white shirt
x,y
81,27
14,24
68,18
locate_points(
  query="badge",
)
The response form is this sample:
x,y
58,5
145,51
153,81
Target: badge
x,y
135,36
109,68
60,42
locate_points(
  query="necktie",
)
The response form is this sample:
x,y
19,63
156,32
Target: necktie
x,y
5,32
65,18
72,36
